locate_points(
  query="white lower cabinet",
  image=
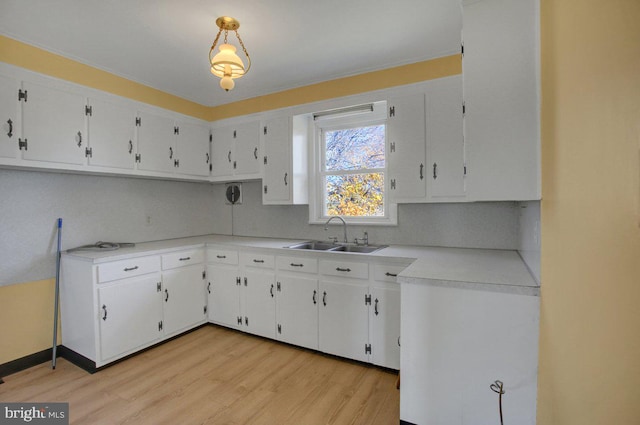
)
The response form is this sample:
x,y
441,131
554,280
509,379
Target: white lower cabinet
x,y
223,287
343,319
257,294
183,292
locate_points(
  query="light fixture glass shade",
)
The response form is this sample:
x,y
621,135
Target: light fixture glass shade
x,y
227,83
227,63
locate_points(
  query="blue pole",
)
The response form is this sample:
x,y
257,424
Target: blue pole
x,y
56,301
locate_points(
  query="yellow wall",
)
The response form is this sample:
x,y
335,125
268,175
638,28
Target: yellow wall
x,y
590,307
26,319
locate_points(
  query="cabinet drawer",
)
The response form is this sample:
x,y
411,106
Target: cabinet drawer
x,y
222,256
387,272
345,269
297,264
256,259
182,258
128,268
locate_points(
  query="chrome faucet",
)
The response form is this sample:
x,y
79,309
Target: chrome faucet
x,y
344,224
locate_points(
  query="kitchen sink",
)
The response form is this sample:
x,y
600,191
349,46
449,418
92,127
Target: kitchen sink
x,y
336,247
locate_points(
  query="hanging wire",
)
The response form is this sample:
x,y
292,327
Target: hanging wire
x,y
497,387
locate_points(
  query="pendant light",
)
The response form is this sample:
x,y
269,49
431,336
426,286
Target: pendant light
x,y
226,64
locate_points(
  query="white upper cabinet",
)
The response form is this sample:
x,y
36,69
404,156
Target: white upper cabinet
x,y
445,141
53,124
285,162
8,117
111,134
156,142
236,152
501,85
193,149
407,148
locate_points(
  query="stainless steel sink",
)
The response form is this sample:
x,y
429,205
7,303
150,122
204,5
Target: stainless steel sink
x,y
336,247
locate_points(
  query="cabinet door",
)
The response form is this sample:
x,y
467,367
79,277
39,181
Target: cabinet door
x,y
344,319
8,112
224,295
183,292
156,143
111,131
247,148
222,159
130,315
385,327
407,148
259,304
277,176
501,84
193,149
445,141
297,301
53,125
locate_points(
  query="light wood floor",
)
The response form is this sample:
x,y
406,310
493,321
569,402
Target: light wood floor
x,y
216,376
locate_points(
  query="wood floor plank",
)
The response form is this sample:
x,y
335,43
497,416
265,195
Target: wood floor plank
x,y
216,376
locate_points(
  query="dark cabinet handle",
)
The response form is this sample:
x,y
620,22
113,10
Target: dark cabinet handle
x,y
10,132
271,290
229,156
79,139
221,256
130,147
170,152
208,157
398,341
324,298
421,171
128,269
375,307
255,153
104,308
342,270
185,258
314,296
296,265
209,287
166,295
435,171
286,183
391,274
258,261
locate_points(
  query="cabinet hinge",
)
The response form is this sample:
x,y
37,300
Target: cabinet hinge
x,y
265,160
239,320
138,121
238,280
367,348
160,325
464,108
392,147
204,275
210,167
462,49
246,321
279,328
464,167
210,137
159,287
176,130
176,163
392,111
88,110
264,130
88,152
22,144
367,299
234,134
278,288
265,189
205,309
138,157
235,164
245,281
22,95
393,184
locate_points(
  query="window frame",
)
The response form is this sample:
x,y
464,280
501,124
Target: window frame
x,y
317,187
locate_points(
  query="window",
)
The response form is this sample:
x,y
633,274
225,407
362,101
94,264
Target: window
x,y
351,168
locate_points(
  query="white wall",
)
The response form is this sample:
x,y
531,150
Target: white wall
x,y
470,225
94,208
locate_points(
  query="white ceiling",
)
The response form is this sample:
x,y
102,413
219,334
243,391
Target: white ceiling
x,y
165,43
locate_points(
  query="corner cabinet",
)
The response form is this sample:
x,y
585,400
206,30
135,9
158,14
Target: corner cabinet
x,y
502,103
